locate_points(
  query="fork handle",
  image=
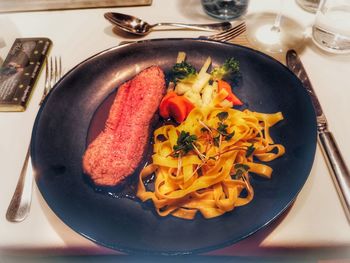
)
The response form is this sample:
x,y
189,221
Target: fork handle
x,y
20,203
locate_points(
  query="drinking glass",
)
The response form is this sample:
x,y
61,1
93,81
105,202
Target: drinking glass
x,y
274,32
225,9
331,30
2,44
309,5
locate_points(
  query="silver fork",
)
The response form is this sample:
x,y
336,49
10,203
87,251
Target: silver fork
x,y
19,206
228,34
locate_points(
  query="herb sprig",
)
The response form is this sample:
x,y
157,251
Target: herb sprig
x,y
222,127
185,143
250,150
241,170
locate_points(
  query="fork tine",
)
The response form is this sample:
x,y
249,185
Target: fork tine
x,y
231,33
237,29
53,72
47,81
47,77
46,74
232,29
59,67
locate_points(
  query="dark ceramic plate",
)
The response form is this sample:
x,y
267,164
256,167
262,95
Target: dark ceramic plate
x,y
62,129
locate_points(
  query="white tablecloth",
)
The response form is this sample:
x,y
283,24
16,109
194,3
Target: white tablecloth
x,y
315,221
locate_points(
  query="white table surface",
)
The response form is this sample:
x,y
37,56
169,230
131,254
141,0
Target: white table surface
x,y
315,221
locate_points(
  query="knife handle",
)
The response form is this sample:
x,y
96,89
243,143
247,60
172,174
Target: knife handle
x,y
337,167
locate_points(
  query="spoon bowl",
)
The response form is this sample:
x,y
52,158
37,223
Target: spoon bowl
x,y
137,26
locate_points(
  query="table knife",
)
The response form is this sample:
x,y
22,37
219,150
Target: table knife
x,y
337,166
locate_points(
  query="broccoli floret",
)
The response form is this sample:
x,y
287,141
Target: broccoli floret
x,y
230,66
183,71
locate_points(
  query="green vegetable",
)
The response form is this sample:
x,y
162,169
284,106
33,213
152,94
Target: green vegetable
x,y
241,166
250,150
229,136
222,115
222,128
184,143
230,66
183,71
241,169
216,141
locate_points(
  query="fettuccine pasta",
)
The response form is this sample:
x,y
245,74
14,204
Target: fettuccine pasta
x,y
209,171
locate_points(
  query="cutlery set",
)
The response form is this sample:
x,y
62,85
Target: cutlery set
x,y
20,204
134,25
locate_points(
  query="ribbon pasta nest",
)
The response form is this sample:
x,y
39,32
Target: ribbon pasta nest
x,y
203,164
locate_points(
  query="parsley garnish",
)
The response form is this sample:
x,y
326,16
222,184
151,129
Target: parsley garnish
x,y
184,143
241,169
222,115
216,141
241,166
229,136
222,128
250,150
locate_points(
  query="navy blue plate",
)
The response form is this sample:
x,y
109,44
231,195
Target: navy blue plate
x,y
61,133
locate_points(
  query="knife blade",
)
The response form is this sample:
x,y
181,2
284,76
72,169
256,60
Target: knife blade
x,y
335,161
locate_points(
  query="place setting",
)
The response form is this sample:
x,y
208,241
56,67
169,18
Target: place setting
x,y
183,145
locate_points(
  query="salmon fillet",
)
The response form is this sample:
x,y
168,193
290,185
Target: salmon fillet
x,y
118,150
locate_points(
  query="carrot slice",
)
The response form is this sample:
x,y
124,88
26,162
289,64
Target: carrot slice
x,y
177,108
234,99
224,85
189,105
163,107
231,96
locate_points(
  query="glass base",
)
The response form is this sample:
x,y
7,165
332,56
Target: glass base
x,y
225,9
264,36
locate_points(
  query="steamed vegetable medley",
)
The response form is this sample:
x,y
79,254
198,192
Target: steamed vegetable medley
x,y
189,89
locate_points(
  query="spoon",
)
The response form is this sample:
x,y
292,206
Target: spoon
x,y
137,26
